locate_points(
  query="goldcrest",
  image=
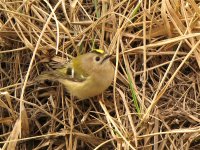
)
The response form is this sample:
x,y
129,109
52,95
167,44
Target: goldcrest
x,y
84,76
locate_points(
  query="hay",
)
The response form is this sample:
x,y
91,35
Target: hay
x,y
154,101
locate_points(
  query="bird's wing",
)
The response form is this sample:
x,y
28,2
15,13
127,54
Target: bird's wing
x,y
63,72
73,75
68,72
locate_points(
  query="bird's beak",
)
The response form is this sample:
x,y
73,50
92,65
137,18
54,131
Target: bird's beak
x,y
105,58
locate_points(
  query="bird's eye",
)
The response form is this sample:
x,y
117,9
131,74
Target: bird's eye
x,y
97,58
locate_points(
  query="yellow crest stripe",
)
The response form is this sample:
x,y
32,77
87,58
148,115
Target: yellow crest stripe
x,y
99,51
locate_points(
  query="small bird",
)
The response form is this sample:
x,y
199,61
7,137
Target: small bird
x,y
86,75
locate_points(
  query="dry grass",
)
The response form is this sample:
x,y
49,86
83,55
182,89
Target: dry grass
x,y
156,52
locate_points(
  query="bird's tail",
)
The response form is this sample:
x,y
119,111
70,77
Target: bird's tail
x,y
51,75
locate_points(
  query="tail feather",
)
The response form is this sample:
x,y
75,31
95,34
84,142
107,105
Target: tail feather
x,y
48,76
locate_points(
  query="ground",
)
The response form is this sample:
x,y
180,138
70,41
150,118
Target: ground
x,y
154,100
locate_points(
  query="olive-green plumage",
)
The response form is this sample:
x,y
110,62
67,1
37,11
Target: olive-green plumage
x,y
85,76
